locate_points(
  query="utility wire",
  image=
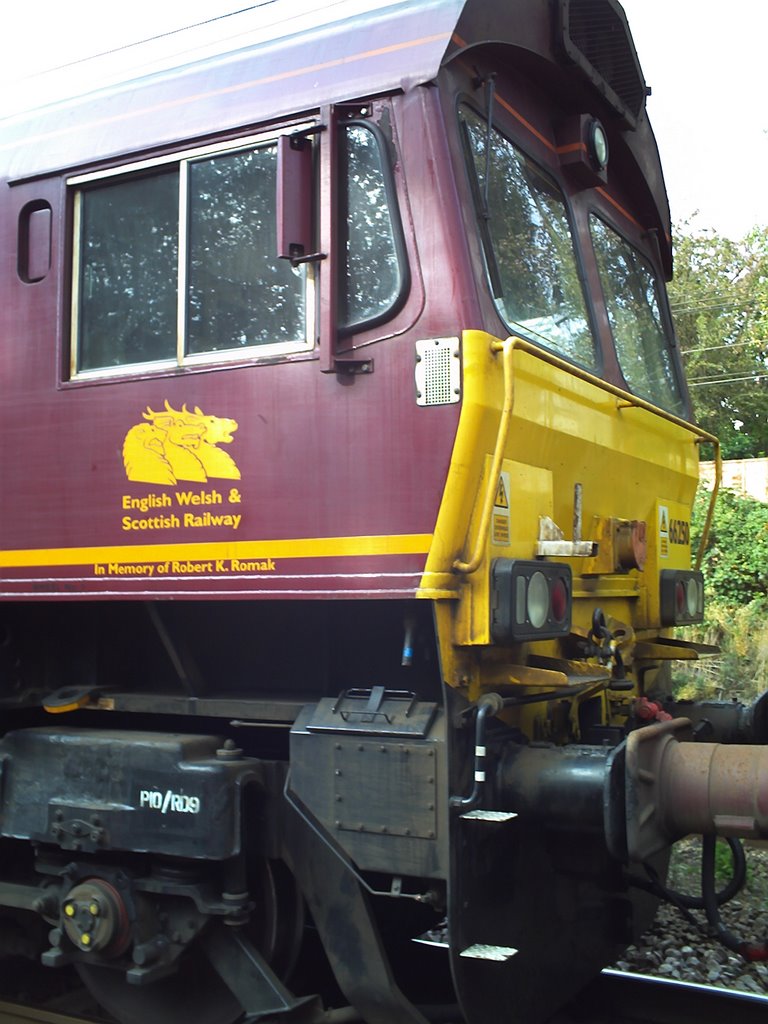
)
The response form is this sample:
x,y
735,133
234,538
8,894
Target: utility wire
x,y
161,35
742,304
741,372
729,344
726,380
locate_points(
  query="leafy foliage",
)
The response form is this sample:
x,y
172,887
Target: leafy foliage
x,y
735,568
719,299
735,563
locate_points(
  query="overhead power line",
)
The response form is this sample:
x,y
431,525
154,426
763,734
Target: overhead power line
x,y
161,35
704,308
703,383
728,344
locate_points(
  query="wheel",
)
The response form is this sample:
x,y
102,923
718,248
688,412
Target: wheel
x,y
195,992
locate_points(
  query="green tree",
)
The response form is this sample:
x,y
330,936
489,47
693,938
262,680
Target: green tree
x,y
735,563
719,300
735,566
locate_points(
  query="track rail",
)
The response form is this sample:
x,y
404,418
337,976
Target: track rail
x,y
613,998
619,998
15,1013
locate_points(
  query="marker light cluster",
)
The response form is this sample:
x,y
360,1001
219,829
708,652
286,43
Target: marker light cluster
x,y
529,600
682,597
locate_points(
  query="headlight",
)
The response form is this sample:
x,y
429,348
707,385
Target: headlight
x,y
681,597
529,600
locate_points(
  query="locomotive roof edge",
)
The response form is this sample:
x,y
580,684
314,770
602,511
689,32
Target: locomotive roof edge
x,y
263,75
392,48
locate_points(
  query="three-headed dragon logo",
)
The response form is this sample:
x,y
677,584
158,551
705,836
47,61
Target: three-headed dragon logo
x,y
175,445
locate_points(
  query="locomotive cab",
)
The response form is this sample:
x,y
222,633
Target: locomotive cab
x,y
347,478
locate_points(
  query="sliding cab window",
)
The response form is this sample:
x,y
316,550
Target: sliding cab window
x,y
376,278
632,298
528,244
177,263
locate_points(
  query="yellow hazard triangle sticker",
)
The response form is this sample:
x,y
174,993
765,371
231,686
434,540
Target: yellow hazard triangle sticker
x,y
501,500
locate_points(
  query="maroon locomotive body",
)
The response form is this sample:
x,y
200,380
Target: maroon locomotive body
x,y
332,480
345,495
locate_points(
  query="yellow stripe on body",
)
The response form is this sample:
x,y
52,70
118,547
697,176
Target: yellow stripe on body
x,y
303,547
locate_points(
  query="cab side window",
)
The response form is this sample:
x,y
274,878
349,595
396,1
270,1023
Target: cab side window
x,y
375,268
177,263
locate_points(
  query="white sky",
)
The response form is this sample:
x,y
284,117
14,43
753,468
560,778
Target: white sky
x,y
706,65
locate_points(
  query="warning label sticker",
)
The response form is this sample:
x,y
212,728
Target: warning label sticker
x,y
500,524
663,531
502,492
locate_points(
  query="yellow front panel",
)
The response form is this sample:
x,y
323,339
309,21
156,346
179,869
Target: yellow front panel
x,y
560,428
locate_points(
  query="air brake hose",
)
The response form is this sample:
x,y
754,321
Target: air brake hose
x,y
734,886
682,900
710,900
751,951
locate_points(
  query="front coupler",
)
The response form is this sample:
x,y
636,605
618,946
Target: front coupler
x,y
653,789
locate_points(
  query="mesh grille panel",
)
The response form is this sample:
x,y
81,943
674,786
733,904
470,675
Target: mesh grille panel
x,y
597,36
438,379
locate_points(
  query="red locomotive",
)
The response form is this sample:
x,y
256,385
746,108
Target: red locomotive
x,y
346,477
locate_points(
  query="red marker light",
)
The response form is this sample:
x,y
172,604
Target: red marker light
x,y
681,596
559,599
529,600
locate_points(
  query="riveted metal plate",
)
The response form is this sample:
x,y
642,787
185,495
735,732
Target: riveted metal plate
x,y
385,788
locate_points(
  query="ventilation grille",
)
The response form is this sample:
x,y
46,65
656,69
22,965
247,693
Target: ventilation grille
x,y
596,37
438,371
